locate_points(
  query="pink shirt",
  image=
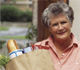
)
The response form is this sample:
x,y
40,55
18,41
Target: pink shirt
x,y
70,58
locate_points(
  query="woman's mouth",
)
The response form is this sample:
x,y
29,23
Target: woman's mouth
x,y
61,33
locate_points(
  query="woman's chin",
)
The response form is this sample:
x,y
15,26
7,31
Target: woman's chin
x,y
63,37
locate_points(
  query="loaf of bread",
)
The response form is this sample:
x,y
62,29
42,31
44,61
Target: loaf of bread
x,y
12,45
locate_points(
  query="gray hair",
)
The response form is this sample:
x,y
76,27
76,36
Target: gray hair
x,y
55,9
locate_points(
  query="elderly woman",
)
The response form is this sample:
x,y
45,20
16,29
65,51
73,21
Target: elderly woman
x,y
63,47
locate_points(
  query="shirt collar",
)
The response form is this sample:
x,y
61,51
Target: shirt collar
x,y
49,41
74,40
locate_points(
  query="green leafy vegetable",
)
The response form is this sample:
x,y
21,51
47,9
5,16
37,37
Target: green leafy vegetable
x,y
3,60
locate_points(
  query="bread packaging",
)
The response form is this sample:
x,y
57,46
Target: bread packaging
x,y
13,48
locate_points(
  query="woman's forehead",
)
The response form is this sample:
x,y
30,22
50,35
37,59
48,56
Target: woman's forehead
x,y
58,16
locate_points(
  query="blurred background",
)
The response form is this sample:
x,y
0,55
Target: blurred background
x,y
17,22
21,20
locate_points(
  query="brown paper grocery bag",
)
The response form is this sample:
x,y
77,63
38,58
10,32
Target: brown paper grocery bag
x,y
35,60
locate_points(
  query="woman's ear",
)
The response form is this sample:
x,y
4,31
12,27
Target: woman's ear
x,y
49,29
71,24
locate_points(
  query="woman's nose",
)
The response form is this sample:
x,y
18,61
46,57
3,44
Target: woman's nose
x,y
60,27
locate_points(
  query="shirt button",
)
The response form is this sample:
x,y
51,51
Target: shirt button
x,y
77,63
63,54
58,62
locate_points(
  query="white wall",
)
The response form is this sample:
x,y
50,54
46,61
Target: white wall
x,y
75,4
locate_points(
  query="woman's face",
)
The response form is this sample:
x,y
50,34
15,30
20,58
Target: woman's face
x,y
60,27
